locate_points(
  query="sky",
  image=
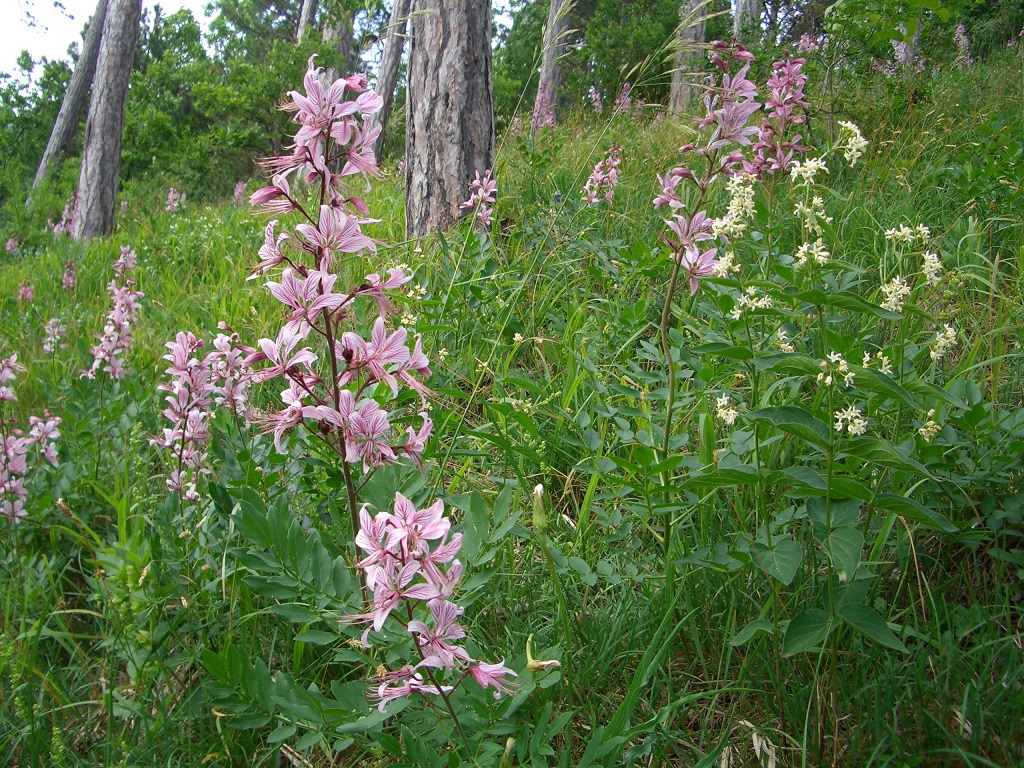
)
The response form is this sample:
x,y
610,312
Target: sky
x,y
56,30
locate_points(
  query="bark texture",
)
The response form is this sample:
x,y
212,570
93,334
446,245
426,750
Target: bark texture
x,y
101,159
338,30
306,19
747,21
689,35
74,98
550,66
389,66
450,127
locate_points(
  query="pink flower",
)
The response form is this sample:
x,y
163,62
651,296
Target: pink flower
x,y
26,292
335,231
276,198
494,676
697,264
12,245
436,641
69,280
281,353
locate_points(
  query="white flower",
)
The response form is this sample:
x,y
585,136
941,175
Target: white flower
x,y
783,341
725,265
741,207
806,171
726,412
815,251
812,215
518,338
932,268
945,340
851,143
896,292
850,419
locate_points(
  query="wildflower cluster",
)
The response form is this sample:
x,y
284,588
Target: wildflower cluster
x,y
811,215
118,335
804,172
412,570
749,301
196,384
12,245
596,102
931,268
835,369
174,199
55,331
726,411
239,193
604,177
733,224
68,218
26,291
482,196
812,252
945,340
896,291
851,420
69,280
963,46
543,110
908,236
775,147
337,389
851,142
623,102
16,446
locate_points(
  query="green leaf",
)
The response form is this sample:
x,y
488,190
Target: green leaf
x,y
316,637
925,389
871,450
787,362
281,733
870,624
296,613
475,527
879,383
805,631
906,507
781,560
843,547
796,421
754,628
744,474
811,482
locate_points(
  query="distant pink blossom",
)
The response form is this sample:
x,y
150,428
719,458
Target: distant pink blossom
x,y
69,280
483,192
12,245
26,292
604,178
174,199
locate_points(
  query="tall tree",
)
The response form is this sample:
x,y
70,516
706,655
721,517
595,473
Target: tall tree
x,y
390,62
450,128
97,182
74,98
551,67
306,19
690,34
746,22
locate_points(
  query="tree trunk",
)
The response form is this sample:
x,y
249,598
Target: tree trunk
x,y
450,130
389,66
305,19
74,98
689,35
746,24
97,183
551,66
340,31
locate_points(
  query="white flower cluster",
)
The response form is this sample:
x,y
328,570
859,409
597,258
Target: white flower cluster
x,y
930,428
882,361
741,207
750,299
812,215
945,340
809,251
851,142
904,235
725,265
932,268
806,171
850,419
726,411
839,369
896,292
782,339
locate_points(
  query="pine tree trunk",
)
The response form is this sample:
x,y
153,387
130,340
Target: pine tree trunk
x,y
389,66
450,129
97,182
690,33
75,97
305,19
550,67
340,32
746,24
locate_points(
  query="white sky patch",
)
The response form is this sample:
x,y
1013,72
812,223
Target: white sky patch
x,y
55,30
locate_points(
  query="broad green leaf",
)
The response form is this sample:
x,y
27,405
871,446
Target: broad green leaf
x,y
296,613
787,362
796,421
906,507
805,631
870,624
925,389
281,733
881,384
475,526
871,450
812,483
710,478
781,560
316,637
754,628
843,547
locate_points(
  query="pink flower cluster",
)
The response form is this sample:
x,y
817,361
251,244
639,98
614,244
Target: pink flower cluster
x,y
118,335
411,569
482,196
962,45
55,331
12,245
174,199
196,385
69,280
774,148
604,177
68,218
624,102
239,194
26,291
342,397
543,110
595,100
14,465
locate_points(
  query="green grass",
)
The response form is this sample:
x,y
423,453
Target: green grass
x,y
545,373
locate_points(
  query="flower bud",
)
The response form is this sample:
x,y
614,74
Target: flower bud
x,y
540,518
